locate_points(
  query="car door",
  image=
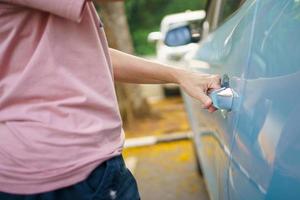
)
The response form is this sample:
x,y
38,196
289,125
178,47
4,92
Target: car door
x,y
226,50
265,158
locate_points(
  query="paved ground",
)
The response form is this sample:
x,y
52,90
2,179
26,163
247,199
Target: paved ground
x,y
165,171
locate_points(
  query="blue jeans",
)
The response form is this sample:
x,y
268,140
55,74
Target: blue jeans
x,y
109,181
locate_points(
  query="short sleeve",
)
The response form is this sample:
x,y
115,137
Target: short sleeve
x,y
70,9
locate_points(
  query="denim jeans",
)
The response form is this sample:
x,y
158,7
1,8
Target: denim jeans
x,y
109,181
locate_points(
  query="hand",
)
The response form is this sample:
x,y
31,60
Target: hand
x,y
198,85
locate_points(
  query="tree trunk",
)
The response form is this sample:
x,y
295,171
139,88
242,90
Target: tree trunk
x,y
132,104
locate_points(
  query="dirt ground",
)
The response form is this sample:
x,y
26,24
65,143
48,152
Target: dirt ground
x,y
168,116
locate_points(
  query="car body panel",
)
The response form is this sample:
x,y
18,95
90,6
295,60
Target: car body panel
x,y
252,151
214,132
265,156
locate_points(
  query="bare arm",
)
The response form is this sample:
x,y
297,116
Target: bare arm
x,y
131,69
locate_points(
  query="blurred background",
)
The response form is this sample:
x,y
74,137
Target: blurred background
x,y
145,16
158,150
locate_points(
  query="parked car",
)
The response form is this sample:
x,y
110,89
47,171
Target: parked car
x,y
169,32
175,52
249,149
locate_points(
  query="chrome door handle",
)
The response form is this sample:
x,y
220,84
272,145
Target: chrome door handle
x,y
223,98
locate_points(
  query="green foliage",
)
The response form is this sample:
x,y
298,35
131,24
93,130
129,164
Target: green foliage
x,y
144,16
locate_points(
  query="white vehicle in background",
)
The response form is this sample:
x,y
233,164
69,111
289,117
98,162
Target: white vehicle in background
x,y
186,23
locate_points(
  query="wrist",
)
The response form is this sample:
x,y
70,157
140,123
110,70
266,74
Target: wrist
x,y
176,75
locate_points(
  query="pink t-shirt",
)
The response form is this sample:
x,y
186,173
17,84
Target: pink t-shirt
x,y
59,117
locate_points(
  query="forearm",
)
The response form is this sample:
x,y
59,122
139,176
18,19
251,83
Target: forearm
x,y
131,69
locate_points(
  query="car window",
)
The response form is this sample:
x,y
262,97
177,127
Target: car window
x,y
211,14
228,8
276,44
219,10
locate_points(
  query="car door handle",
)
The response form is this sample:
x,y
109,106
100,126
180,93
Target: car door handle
x,y
223,98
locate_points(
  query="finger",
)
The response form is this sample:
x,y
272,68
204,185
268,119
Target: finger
x,y
207,102
211,109
216,86
217,82
211,90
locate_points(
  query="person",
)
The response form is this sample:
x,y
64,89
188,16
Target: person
x,y
60,129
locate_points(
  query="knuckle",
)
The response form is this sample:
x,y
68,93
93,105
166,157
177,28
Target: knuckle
x,y
217,77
